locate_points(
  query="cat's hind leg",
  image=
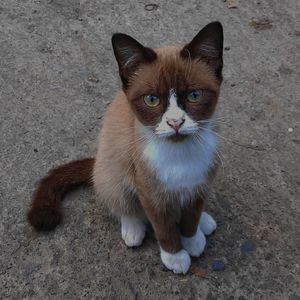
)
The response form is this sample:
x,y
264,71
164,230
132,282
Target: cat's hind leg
x,y
207,224
133,230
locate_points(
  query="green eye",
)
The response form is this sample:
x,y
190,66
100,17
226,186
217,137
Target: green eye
x,y
195,95
151,100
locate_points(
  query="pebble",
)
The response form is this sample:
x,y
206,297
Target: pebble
x,y
218,265
290,129
248,246
151,7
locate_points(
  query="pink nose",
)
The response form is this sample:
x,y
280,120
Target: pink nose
x,y
175,123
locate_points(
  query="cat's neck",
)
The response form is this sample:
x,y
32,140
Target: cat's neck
x,y
183,164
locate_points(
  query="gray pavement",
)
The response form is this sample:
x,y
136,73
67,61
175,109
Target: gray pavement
x,y
57,76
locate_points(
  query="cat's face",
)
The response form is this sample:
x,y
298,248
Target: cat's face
x,y
172,90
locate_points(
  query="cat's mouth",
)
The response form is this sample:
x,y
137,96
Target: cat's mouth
x,y
178,137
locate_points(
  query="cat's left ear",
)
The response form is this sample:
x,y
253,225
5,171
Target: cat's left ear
x,y
207,46
130,54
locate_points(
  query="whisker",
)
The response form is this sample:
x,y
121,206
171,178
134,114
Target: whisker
x,y
213,121
217,134
217,152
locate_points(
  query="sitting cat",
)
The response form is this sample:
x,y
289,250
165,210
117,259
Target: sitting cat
x,y
157,152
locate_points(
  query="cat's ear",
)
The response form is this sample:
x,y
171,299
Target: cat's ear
x,y
207,46
130,54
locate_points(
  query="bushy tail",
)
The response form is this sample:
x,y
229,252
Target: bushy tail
x,y
45,213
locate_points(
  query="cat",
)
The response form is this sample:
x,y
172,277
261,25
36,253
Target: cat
x,y
157,154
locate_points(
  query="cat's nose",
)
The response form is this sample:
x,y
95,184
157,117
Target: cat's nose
x,y
175,123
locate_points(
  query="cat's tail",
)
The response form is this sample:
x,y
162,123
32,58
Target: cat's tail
x,y
45,213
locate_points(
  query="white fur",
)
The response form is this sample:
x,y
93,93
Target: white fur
x,y
183,164
207,224
174,112
133,230
194,245
177,262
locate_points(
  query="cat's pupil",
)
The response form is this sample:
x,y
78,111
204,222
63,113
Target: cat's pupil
x,y
195,94
152,98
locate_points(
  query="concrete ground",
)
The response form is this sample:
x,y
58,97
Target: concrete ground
x,y
57,76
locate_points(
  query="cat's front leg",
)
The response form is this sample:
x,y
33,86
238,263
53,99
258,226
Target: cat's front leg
x,y
133,230
207,223
192,237
173,256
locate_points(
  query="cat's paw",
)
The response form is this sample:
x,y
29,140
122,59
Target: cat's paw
x,y
207,224
194,245
133,230
179,262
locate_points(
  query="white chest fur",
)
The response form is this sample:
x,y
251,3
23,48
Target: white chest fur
x,y
185,164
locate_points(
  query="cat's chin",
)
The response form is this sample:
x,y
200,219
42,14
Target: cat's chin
x,y
177,137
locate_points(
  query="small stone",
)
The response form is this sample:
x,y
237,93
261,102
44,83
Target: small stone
x,y
93,78
232,3
218,265
151,7
257,80
233,84
35,150
227,48
198,271
248,246
261,24
290,129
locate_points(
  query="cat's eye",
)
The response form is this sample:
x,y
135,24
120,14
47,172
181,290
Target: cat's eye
x,y
195,96
151,100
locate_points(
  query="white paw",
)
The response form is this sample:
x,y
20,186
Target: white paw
x,y
133,230
194,245
207,224
177,262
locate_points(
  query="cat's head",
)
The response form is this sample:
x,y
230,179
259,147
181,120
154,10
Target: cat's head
x,y
172,90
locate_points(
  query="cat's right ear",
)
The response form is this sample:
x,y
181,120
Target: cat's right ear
x,y
130,54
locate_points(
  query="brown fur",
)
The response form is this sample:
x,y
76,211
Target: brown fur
x,y
44,213
190,216
171,70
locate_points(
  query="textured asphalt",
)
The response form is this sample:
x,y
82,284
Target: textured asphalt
x,y
57,76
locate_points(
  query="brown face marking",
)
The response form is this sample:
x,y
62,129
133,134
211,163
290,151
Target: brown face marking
x,y
200,110
145,71
171,71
